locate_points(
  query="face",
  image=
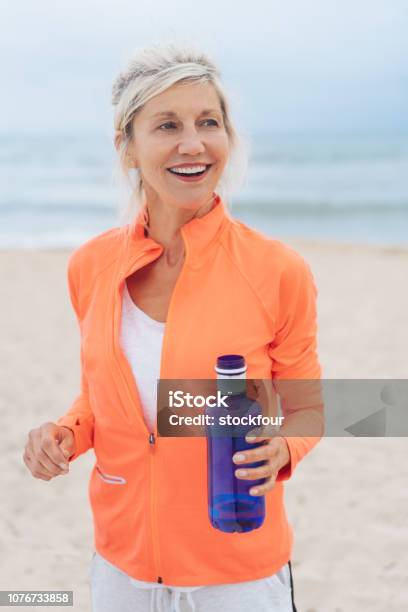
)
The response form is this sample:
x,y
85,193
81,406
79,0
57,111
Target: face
x,y
183,126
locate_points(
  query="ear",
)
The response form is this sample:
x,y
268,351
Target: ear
x,y
130,159
118,138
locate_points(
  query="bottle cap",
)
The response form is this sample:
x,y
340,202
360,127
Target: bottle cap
x,y
230,365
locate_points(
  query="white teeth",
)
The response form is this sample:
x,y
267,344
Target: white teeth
x,y
189,170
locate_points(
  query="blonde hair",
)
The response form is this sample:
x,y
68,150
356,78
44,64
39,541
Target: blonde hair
x,y
149,72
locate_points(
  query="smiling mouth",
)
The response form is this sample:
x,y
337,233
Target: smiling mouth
x,y
191,175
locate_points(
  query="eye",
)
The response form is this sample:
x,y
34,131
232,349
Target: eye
x,y
213,121
171,123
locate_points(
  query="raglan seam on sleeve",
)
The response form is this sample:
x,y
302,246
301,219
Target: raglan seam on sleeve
x,y
266,312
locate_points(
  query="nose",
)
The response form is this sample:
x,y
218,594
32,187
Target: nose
x,y
191,143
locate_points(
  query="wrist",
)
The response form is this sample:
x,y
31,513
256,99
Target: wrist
x,y
284,453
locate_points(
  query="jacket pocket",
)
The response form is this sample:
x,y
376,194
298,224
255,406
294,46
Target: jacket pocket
x,y
109,478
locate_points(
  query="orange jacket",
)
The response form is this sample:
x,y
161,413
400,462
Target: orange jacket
x,y
238,292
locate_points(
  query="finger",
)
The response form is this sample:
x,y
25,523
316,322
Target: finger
x,y
48,466
41,475
29,455
263,471
66,453
35,469
261,453
66,442
263,488
51,446
27,460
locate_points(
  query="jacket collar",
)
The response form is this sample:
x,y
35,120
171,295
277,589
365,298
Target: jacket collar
x,y
198,234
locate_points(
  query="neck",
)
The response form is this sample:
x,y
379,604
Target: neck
x,y
164,224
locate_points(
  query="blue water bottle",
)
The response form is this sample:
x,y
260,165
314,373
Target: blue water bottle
x,y
230,506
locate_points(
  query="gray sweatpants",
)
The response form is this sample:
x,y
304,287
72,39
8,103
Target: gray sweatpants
x,y
114,591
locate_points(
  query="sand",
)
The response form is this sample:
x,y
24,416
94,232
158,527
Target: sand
x,y
347,501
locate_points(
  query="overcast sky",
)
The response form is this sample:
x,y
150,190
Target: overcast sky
x,y
289,65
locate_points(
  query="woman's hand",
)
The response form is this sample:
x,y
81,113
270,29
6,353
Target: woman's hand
x,y
276,455
48,449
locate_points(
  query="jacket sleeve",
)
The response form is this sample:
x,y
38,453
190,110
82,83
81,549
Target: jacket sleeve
x,y
293,352
79,418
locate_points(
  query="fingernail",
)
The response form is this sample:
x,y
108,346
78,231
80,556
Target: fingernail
x,y
253,491
241,472
250,438
66,453
239,457
63,466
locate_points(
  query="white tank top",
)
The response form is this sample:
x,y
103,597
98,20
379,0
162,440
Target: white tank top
x,y
141,338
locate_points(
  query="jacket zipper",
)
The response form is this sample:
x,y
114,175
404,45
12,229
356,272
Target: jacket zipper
x,y
156,552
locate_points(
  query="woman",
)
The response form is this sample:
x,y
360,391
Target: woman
x,y
161,297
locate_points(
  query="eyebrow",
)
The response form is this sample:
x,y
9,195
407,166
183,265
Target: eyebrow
x,y
207,111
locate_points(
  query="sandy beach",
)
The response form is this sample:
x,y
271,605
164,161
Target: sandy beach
x,y
347,501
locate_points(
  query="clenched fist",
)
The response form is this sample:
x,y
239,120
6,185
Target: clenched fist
x,y
48,449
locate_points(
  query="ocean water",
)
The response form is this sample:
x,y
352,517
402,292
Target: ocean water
x,y
57,191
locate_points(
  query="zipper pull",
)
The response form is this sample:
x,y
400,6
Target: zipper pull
x,y
152,439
